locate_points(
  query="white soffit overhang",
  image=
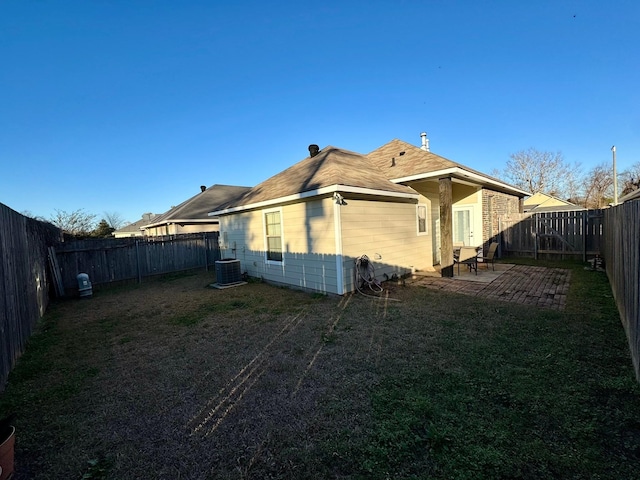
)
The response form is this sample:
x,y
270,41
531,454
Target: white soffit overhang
x,y
473,177
315,193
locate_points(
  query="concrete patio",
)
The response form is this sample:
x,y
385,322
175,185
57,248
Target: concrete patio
x,y
527,285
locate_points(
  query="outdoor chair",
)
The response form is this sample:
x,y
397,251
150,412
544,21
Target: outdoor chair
x,y
456,248
467,256
489,258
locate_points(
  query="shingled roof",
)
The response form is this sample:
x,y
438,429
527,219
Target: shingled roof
x,y
401,160
398,159
197,208
135,228
330,167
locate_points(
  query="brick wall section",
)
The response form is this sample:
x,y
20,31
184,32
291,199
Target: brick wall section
x,y
495,204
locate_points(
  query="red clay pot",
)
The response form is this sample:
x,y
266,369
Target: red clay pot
x,y
6,455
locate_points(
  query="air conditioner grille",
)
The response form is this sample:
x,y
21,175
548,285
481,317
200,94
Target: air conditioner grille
x,y
228,271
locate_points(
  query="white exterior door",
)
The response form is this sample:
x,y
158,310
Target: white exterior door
x,y
463,225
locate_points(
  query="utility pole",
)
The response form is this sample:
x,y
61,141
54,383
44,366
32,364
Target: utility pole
x,y
615,177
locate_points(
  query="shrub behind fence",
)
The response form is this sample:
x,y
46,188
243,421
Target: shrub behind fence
x,y
24,282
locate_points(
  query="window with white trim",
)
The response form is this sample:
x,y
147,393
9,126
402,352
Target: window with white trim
x,y
421,217
273,235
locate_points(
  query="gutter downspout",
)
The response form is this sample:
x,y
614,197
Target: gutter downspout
x,y
337,233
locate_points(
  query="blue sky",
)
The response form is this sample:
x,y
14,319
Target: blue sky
x,y
130,106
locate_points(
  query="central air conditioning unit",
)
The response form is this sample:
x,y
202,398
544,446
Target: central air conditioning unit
x,y
228,271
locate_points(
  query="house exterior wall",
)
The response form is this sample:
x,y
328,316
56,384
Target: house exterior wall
x,y
308,244
127,234
177,229
465,194
495,204
466,197
198,228
486,206
158,231
540,199
430,195
386,232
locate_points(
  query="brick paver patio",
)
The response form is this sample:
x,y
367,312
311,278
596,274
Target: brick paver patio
x,y
539,286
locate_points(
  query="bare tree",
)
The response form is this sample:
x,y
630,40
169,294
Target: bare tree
x,y
574,185
77,223
537,171
28,213
630,179
114,220
598,187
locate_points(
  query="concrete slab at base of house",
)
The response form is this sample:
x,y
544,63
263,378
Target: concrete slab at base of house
x,y
523,284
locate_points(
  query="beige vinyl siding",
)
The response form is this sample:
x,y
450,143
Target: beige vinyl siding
x,y
157,231
198,228
544,200
309,227
308,244
387,233
430,195
176,229
466,195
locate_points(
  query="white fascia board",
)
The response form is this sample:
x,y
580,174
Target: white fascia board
x,y
315,193
461,172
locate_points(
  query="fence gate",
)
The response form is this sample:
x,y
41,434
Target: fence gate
x,y
571,234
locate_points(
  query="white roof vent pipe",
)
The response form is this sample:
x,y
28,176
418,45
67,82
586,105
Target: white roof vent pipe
x,y
425,142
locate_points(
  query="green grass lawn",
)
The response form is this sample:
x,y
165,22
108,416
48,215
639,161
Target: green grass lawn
x,y
171,379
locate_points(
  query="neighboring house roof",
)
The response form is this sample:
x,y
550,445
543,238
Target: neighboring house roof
x,y
196,208
541,201
331,170
635,194
135,227
402,162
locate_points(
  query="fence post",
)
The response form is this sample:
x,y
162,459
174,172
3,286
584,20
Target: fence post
x,y
535,236
206,252
499,237
585,225
138,262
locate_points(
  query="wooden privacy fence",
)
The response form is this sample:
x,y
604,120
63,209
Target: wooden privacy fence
x,y
571,234
24,282
621,251
117,260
